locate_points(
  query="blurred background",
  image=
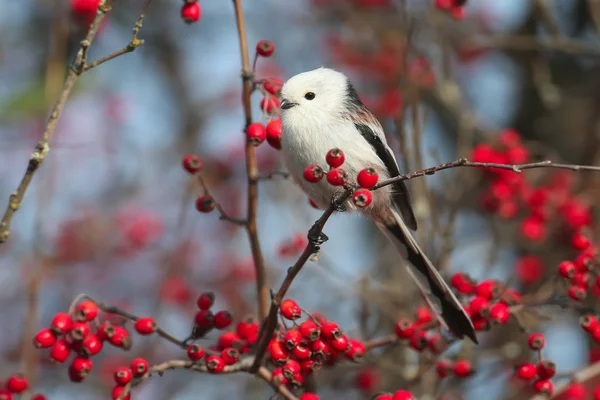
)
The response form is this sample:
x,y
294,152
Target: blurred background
x,y
111,211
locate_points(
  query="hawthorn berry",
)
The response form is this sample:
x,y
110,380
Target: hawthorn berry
x,y
367,178
80,368
265,48
462,283
120,338
546,369
5,394
277,377
309,330
79,330
320,349
499,313
145,326
309,396
292,338
105,331
91,345
61,323
86,311
256,133
362,197
335,158
274,129
575,391
246,328
443,368
44,339
337,177
566,269
291,368
139,367
526,371
340,343
270,105
423,315
404,329
588,322
384,396
215,364
205,203
436,344
577,292
192,163
223,319
480,306
17,383
543,386
60,351
205,300
290,309
309,366
278,352
330,330
536,341
356,350
191,12
230,356
462,368
418,341
195,352
117,393
38,396
301,351
402,395
229,339
313,173
273,85
580,241
123,376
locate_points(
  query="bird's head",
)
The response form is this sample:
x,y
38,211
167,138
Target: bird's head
x,y
320,93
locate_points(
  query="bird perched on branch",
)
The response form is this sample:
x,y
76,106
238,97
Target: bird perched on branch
x,y
321,110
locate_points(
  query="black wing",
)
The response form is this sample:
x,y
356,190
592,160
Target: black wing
x,y
400,195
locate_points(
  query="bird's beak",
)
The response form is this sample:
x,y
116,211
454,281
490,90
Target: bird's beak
x,y
286,104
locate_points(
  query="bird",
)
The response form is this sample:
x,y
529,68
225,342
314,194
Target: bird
x,y
321,110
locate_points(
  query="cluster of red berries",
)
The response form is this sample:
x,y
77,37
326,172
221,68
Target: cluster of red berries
x,y
15,385
487,302
193,164
337,176
124,375
509,193
257,133
456,8
543,371
304,348
190,11
581,270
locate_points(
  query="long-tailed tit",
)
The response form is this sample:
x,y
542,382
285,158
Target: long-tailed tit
x,y
321,111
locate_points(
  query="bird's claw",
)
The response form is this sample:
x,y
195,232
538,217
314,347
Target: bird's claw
x,y
337,205
316,237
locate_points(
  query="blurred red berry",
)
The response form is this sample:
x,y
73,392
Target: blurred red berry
x,y
44,339
61,323
265,48
566,269
192,163
290,309
480,306
230,356
191,12
270,105
79,330
205,300
309,396
80,368
223,319
580,241
367,379
60,351
529,269
499,313
256,133
310,330
443,368
273,85
139,367
229,339
533,229
575,391
418,340
546,369
195,352
543,386
423,315
145,326
404,329
577,292
205,203
215,364
340,343
526,371
117,393
588,322
462,283
301,351
17,383
536,341
356,350
463,368
278,352
292,338
403,395
274,129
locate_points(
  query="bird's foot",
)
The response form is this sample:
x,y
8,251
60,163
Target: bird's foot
x,y
316,237
338,205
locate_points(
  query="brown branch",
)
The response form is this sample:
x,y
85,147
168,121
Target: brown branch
x,y
223,215
272,175
532,43
77,67
269,324
463,162
251,167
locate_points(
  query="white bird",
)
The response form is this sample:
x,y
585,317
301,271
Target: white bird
x,y
321,110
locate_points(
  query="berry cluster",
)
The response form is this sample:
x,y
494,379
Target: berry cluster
x,y
337,176
544,370
304,348
456,8
190,11
580,272
16,385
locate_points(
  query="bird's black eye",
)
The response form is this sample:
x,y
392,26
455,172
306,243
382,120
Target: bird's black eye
x,y
309,96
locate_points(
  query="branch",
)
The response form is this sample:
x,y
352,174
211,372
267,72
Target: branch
x,y
581,376
269,324
251,167
223,215
532,43
463,162
77,67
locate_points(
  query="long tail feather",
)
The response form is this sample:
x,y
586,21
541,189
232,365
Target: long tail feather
x,y
437,293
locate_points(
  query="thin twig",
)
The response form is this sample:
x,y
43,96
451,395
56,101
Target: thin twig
x,y
251,168
223,215
272,175
581,376
532,43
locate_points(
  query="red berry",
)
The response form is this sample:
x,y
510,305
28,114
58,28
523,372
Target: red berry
x,y
385,396
205,203
313,173
480,323
123,376
39,396
215,364
44,339
191,12
310,330
80,368
529,269
205,300
443,368
291,368
362,197
105,331
436,344
292,338
320,349
120,338
577,292
404,329
403,395
463,368
86,311
543,386
309,396
195,352
526,371
423,315
575,391
335,158
462,283
91,345
330,330
246,329
588,322
229,339
60,351
17,383
290,309
117,393
273,85
145,326
418,341
192,163
356,350
61,323
340,344
230,356
79,330
367,178
566,269
301,351
536,341
309,366
580,241
278,352
139,367
265,48
480,306
223,319
499,313
533,229
337,177
274,129
270,105
546,369
256,133
278,378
